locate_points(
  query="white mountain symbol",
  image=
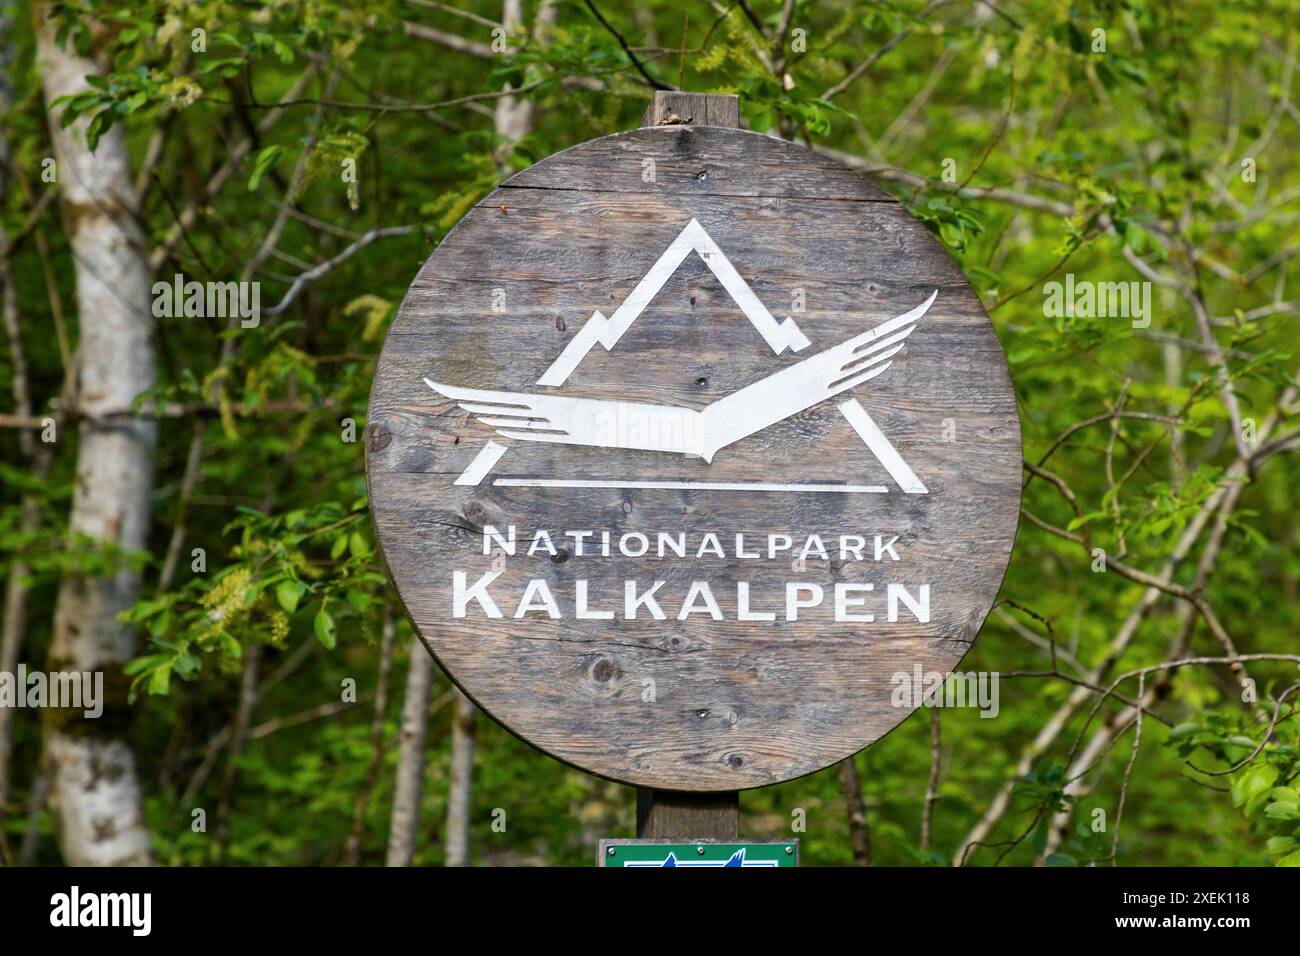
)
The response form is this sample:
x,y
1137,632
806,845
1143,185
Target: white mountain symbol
x,y
608,423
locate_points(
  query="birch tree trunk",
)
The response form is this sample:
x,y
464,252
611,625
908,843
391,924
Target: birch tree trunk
x,y
404,827
95,793
461,785
512,118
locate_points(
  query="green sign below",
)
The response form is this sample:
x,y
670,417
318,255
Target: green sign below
x,y
706,854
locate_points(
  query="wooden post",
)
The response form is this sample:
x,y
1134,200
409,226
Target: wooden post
x,y
680,814
669,108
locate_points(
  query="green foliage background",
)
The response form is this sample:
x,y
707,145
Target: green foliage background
x,y
1066,155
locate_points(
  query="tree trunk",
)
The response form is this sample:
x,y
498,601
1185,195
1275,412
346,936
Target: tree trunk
x,y
462,781
95,793
859,832
512,119
404,828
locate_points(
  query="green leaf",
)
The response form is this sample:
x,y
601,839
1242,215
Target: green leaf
x,y
139,665
230,647
358,545
1280,844
323,625
69,115
99,126
266,158
187,664
359,600
160,679
1283,810
1253,782
288,593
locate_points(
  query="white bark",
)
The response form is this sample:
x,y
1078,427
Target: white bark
x,y
404,827
95,792
512,119
462,781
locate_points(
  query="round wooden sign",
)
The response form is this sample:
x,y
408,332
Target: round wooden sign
x,y
688,450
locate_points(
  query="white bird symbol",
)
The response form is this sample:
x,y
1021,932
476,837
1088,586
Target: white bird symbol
x,y
609,423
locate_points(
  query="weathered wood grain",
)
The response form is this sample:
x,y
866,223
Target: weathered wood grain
x,y
670,814
695,704
693,161
679,108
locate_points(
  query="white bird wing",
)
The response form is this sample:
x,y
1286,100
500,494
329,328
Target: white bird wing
x,y
579,421
815,379
607,423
